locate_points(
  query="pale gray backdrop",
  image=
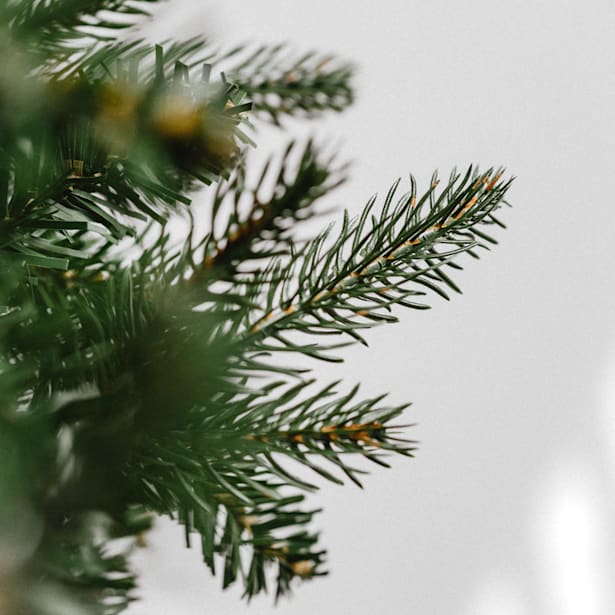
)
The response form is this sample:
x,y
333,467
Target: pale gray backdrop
x,y
508,508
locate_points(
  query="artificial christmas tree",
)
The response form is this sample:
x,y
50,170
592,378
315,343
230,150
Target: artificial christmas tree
x,y
140,373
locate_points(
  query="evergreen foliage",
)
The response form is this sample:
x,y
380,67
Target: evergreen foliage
x,y
141,376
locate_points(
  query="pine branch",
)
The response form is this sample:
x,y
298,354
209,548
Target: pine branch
x,y
332,430
373,264
219,474
261,220
288,420
234,509
277,83
281,85
132,152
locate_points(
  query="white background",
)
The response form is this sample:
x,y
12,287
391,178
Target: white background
x,y
508,508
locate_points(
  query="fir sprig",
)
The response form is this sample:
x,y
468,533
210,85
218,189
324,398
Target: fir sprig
x,y
282,85
259,219
74,169
230,479
349,282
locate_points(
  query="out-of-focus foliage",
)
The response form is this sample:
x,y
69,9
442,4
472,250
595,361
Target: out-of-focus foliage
x,y
142,375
